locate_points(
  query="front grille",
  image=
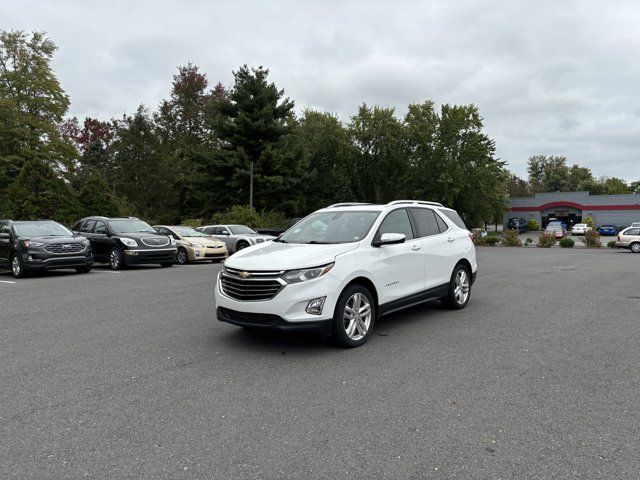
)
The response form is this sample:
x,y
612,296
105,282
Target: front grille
x,y
155,241
64,247
214,255
257,285
212,247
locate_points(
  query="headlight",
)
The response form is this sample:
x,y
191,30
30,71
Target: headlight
x,y
298,276
27,244
129,242
86,242
196,245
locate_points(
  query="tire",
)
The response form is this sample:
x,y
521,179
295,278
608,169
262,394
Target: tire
x,y
182,258
115,259
166,265
459,288
635,247
350,332
241,245
83,269
17,266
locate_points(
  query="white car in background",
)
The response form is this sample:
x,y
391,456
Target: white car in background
x,y
580,229
340,268
235,237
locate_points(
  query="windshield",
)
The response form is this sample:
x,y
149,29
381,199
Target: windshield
x,y
331,227
188,232
240,230
131,226
554,228
41,229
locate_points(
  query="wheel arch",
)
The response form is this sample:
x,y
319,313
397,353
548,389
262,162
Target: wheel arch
x,y
467,264
368,284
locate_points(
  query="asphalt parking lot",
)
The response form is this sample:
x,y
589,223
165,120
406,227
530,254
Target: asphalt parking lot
x,y
128,375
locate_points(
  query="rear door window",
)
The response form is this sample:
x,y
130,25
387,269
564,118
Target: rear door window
x,y
425,221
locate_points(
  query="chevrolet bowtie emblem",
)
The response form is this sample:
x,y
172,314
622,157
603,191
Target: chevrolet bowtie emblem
x,y
245,274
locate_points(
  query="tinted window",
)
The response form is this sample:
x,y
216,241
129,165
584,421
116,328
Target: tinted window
x,y
454,217
632,231
4,228
101,227
131,226
87,227
241,230
397,222
442,225
425,221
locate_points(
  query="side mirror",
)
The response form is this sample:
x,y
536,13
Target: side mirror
x,y
390,239
225,233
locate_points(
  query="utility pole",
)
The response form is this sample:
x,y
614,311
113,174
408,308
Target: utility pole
x,y
251,187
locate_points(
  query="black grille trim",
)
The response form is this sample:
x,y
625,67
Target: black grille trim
x,y
259,286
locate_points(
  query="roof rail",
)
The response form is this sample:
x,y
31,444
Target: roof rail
x,y
418,202
348,204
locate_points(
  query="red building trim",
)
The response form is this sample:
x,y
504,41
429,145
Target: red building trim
x,y
575,205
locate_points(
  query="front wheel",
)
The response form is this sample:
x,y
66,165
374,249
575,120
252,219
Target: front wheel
x,y
115,259
635,247
354,317
17,267
183,256
241,246
459,288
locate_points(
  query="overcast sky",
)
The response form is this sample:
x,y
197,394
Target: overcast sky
x,y
549,77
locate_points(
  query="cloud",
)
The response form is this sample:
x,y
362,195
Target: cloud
x,y
549,77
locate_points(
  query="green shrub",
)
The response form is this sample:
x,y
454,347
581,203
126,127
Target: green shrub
x,y
567,243
242,215
479,240
591,239
546,240
528,241
192,222
589,221
611,244
510,238
492,240
533,225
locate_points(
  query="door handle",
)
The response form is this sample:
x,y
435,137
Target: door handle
x,y
450,239
416,247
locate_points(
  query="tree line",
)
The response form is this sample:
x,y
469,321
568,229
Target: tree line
x,y
194,154
551,173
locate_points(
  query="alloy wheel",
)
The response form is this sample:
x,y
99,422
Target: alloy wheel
x,y
357,316
16,268
182,256
461,290
114,259
635,248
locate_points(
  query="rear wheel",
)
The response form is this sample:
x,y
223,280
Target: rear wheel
x,y
241,245
459,288
635,247
354,317
183,256
17,266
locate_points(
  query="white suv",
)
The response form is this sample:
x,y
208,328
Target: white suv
x,y
343,266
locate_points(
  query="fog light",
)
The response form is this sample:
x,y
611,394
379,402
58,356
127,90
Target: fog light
x,y
130,252
314,307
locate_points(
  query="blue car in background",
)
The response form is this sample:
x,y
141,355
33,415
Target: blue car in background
x,y
608,230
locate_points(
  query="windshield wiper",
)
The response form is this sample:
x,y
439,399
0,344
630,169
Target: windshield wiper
x,y
281,240
318,242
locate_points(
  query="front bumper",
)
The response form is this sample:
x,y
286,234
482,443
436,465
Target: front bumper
x,y
150,255
35,262
272,322
289,305
207,253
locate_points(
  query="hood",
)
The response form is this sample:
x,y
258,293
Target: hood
x,y
54,240
256,235
139,235
286,256
203,240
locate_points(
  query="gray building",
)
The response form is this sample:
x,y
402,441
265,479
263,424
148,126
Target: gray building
x,y
574,207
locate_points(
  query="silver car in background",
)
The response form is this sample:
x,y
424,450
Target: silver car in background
x,y
235,237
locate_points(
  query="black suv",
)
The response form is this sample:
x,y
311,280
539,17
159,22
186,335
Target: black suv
x,y
126,241
519,224
29,246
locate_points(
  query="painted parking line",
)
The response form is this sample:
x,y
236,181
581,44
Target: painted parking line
x,y
103,271
6,281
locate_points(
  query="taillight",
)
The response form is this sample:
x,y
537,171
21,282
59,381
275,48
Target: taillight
x,y
471,236
619,239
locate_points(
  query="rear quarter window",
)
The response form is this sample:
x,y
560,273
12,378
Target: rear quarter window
x,y
454,217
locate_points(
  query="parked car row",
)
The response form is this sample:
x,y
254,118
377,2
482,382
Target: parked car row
x,y
37,245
